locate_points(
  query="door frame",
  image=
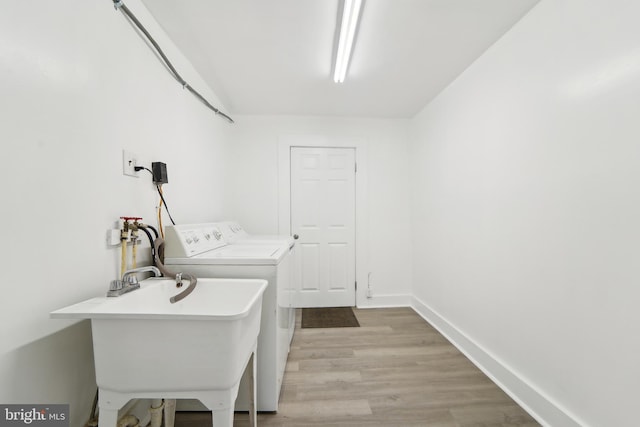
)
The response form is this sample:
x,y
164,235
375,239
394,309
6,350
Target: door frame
x,y
285,142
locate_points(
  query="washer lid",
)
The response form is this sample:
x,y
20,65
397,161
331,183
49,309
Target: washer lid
x,y
244,251
234,255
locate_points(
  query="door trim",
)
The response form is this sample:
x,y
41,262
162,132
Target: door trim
x,y
285,143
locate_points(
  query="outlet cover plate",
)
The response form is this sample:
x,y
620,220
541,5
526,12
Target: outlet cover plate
x,y
129,162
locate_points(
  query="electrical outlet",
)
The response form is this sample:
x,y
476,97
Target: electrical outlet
x,y
129,162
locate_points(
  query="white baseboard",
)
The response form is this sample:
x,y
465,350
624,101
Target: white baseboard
x,y
381,301
533,401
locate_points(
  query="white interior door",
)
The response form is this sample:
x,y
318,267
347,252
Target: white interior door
x,y
323,216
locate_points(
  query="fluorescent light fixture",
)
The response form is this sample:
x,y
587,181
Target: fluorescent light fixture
x,y
350,16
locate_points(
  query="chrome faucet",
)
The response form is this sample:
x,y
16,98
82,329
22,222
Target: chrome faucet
x,y
130,275
129,281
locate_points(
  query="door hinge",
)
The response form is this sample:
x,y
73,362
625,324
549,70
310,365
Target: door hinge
x,y
355,167
356,286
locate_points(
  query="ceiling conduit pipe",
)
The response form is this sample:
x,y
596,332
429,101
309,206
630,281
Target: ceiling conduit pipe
x,y
119,5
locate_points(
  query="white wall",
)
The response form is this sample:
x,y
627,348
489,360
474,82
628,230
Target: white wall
x,y
526,206
254,188
77,86
524,211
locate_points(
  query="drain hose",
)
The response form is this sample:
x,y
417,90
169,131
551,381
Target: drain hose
x,y
159,250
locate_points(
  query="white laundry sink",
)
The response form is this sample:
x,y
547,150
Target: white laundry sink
x,y
142,342
196,348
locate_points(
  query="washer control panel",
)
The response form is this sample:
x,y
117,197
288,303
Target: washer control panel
x,y
232,231
192,239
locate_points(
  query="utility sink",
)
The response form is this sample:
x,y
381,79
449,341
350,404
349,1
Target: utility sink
x,y
145,346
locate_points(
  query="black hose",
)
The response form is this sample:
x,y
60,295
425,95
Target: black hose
x,y
164,202
155,231
153,247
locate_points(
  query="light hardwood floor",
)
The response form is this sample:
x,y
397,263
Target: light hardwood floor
x,y
394,370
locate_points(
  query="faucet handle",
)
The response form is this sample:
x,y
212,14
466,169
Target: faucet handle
x,y
131,279
116,285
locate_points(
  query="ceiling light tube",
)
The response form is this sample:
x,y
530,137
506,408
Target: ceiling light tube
x,y
350,16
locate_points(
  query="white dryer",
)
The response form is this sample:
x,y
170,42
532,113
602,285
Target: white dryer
x,y
233,232
201,249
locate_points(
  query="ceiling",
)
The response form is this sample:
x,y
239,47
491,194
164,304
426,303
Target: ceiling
x,y
275,57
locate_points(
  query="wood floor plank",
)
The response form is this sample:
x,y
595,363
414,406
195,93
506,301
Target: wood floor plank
x,y
394,370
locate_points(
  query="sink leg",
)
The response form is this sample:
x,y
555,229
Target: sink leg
x,y
169,412
222,418
108,417
109,404
253,415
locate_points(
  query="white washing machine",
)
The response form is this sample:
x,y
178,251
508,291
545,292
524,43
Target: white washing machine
x,y
201,249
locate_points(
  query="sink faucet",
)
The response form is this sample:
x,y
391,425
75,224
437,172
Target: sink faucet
x,y
129,281
130,275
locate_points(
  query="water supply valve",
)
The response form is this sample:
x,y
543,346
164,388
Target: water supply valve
x,y
129,227
126,219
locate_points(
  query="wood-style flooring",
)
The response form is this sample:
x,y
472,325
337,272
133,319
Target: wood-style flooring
x,y
394,370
